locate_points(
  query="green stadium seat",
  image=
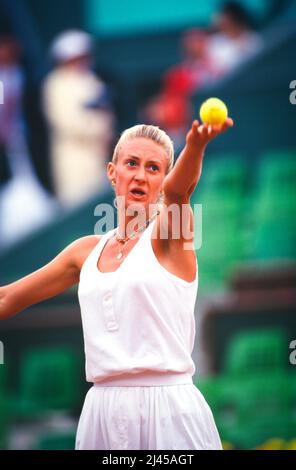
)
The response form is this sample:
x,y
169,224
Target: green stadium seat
x,y
278,205
252,408
249,436
4,407
223,395
273,241
266,407
56,441
222,195
267,397
272,223
49,382
256,350
225,172
278,168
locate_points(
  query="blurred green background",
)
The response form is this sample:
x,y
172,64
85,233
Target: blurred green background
x,y
245,310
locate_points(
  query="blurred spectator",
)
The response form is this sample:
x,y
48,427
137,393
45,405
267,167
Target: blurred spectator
x,y
13,150
196,68
24,204
207,57
235,40
171,109
77,107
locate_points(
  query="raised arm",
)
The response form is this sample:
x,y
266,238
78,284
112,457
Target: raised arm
x,y
52,279
183,178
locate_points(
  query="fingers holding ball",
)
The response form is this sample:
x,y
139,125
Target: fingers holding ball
x,y
213,112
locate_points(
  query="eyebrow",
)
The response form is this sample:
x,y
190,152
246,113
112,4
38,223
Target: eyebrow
x,y
149,161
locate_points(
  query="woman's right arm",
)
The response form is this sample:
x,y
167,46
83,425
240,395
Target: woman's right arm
x,y
52,279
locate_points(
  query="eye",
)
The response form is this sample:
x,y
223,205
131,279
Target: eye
x,y
154,167
131,161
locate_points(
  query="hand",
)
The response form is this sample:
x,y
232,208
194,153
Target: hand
x,y
200,135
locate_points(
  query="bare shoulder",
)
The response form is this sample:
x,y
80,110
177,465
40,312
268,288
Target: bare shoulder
x,y
81,248
174,228
175,253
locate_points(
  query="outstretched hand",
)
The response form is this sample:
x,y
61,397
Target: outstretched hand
x,y
200,135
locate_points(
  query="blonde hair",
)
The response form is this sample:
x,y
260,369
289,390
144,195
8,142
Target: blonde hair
x,y
153,133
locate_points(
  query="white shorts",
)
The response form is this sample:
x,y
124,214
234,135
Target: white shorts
x,y
154,417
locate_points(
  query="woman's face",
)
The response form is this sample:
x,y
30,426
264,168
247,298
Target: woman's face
x,y
141,166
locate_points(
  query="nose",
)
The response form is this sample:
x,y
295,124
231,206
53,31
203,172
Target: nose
x,y
140,174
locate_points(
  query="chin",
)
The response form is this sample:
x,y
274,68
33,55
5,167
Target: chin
x,y
136,206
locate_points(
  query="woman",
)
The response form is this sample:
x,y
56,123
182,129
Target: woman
x,y
137,290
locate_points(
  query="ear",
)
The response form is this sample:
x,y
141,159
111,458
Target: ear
x,y
111,171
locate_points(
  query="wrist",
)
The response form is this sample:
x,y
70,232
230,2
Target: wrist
x,y
195,147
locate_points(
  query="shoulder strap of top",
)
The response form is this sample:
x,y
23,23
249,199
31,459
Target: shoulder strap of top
x,y
103,240
100,245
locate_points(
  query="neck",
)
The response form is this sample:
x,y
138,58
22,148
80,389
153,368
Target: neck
x,y
128,224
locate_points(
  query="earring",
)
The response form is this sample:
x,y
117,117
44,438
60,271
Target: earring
x,y
113,183
115,203
160,200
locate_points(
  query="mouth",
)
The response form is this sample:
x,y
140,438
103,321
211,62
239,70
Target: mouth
x,y
137,193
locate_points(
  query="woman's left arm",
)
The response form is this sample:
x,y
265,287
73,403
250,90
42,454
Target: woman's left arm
x,y
183,178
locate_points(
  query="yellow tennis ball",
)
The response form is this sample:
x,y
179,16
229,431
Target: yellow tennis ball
x,y
213,111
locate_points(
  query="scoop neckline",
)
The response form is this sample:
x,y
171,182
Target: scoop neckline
x,y
172,276
102,248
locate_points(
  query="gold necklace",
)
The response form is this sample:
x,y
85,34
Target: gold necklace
x,y
125,240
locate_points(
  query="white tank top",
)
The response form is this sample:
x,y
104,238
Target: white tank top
x,y
137,320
